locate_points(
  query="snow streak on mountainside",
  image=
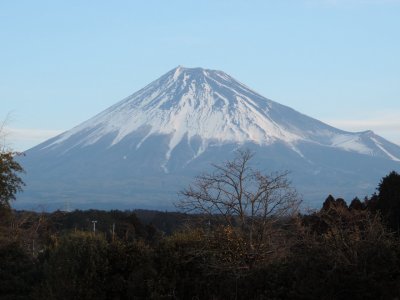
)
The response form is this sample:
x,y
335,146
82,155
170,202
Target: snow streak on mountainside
x,y
211,105
141,151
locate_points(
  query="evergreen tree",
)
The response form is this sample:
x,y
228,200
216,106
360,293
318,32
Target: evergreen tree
x,y
389,199
356,204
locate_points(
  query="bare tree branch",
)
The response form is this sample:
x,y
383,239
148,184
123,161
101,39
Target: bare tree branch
x,y
250,202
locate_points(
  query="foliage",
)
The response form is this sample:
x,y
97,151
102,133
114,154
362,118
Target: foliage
x,y
389,199
338,252
345,253
76,268
10,182
18,273
130,271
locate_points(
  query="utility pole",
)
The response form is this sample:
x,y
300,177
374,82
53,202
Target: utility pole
x,y
94,226
113,232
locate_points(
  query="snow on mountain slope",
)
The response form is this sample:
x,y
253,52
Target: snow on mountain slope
x,y
141,151
215,107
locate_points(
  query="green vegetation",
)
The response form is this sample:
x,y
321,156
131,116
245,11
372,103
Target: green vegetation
x,y
10,182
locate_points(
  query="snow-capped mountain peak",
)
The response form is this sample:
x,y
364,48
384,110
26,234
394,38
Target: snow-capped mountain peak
x,y
189,103
148,146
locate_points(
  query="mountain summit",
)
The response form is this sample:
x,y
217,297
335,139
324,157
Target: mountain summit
x,y
185,120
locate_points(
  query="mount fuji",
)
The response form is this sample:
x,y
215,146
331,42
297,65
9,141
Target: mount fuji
x,y
141,151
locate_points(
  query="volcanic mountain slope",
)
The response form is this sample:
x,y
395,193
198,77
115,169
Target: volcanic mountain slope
x,y
145,148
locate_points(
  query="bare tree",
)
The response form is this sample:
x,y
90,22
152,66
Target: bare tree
x,y
249,201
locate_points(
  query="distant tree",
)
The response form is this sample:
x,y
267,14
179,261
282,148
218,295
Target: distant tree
x,y
331,203
356,204
389,199
371,203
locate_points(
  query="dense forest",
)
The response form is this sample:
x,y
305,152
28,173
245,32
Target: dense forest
x,y
215,249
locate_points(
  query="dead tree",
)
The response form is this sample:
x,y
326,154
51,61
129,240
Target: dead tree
x,y
250,203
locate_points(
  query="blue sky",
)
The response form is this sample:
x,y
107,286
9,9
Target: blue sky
x,y
62,62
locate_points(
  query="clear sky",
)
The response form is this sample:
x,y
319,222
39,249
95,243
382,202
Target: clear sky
x,y
62,62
